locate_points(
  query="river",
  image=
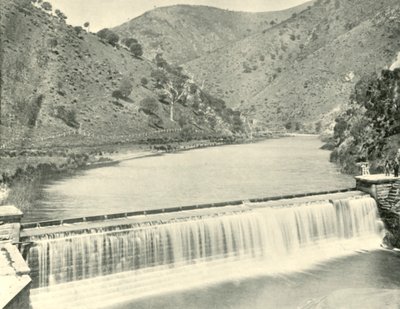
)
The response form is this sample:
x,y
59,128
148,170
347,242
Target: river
x,y
271,167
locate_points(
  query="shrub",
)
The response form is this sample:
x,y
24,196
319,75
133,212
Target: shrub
x,y
46,6
125,87
117,94
52,43
60,15
160,61
108,36
78,29
136,49
149,105
144,81
68,116
129,41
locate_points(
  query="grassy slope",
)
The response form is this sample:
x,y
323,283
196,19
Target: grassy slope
x,y
184,32
297,69
78,75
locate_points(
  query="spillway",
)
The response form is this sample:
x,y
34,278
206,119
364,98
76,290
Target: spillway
x,y
100,265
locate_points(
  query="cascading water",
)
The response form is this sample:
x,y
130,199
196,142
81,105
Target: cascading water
x,y
154,257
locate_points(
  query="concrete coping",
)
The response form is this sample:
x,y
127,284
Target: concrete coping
x,y
157,218
15,261
14,273
10,213
376,179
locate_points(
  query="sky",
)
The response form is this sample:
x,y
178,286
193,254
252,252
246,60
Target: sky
x,y
109,13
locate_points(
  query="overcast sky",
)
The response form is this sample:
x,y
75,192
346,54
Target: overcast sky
x,y
109,13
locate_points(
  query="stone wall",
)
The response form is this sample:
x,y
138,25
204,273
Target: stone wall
x,y
386,191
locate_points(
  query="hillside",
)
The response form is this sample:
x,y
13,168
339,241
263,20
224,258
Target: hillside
x,y
58,80
184,32
306,65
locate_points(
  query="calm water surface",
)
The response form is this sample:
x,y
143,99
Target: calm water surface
x,y
272,167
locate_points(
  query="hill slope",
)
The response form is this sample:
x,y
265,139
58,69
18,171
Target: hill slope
x,y
56,79
306,65
184,32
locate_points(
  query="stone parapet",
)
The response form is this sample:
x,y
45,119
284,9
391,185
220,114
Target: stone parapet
x,y
10,223
378,186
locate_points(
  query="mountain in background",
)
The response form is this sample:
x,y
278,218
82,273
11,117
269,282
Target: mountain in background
x,y
58,79
295,72
185,32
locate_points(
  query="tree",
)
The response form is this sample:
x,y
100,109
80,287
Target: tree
x,y
78,29
160,61
381,100
125,87
370,123
47,6
129,41
108,36
176,88
60,15
149,105
144,81
117,94
86,25
136,49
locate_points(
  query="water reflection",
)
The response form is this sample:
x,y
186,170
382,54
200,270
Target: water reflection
x,y
272,167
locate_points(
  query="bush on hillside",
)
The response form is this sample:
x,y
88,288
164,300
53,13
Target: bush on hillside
x,y
60,15
160,61
117,94
68,116
149,105
47,6
108,36
144,81
78,29
129,41
125,87
136,49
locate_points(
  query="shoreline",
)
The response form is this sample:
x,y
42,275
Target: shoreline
x,y
21,179
19,187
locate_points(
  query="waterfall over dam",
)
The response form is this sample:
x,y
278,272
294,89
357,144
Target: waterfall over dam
x,y
162,253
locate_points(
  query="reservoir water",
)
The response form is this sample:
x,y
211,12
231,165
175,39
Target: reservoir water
x,y
271,167
309,254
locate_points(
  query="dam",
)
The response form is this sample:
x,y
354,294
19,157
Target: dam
x,y
283,251
100,261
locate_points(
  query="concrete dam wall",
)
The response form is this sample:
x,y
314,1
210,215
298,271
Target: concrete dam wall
x,y
126,255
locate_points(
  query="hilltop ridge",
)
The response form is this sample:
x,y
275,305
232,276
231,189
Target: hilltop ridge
x,y
185,32
60,80
304,67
